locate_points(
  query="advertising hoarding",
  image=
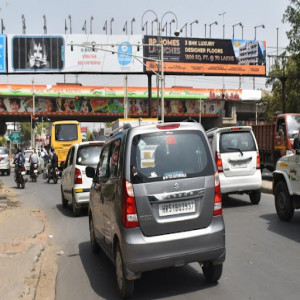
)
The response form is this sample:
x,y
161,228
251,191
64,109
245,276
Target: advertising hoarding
x,y
207,56
3,54
44,53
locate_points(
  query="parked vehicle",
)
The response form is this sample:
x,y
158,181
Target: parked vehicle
x,y
276,139
286,185
4,160
155,202
75,186
238,161
20,177
34,172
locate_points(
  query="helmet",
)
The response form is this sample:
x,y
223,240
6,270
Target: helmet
x,y
18,150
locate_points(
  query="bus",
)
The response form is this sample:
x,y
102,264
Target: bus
x,y
62,136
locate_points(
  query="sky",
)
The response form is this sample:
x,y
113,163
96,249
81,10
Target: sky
x,y
228,12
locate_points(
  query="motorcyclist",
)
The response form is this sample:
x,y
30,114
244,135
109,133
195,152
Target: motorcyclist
x,y
33,159
52,160
19,161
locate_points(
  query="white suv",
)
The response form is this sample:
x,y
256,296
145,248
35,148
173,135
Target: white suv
x,y
238,160
75,186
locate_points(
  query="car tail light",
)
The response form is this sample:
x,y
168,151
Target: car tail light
x,y
77,177
129,217
235,128
168,126
219,162
257,161
218,196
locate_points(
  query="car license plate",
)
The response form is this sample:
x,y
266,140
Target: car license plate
x,y
23,173
176,208
239,165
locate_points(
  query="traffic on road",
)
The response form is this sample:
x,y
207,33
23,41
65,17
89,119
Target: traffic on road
x,y
167,227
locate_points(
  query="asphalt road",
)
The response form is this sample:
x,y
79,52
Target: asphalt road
x,y
262,255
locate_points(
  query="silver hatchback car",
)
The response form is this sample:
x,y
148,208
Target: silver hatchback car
x,y
155,202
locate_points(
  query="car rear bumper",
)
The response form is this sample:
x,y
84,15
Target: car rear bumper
x,y
5,166
240,183
141,253
82,195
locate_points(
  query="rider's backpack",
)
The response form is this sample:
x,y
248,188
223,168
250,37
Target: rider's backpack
x,y
21,159
54,159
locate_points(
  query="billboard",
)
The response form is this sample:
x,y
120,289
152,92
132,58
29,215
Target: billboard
x,y
44,53
36,53
3,54
206,56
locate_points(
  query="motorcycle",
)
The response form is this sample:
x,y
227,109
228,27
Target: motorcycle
x,y
34,172
20,177
52,173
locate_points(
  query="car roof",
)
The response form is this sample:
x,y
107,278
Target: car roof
x,y
228,129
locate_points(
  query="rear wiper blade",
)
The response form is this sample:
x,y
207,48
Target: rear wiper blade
x,y
237,149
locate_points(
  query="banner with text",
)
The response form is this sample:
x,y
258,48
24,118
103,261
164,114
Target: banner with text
x,y
206,56
74,53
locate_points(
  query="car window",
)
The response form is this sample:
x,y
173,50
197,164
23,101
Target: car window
x,y
102,170
3,151
169,155
68,159
88,155
27,154
70,162
114,158
242,140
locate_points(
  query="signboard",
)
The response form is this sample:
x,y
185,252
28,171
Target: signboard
x,y
45,53
15,137
206,56
2,54
36,53
112,53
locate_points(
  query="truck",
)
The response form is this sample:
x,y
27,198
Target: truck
x,y
286,184
276,138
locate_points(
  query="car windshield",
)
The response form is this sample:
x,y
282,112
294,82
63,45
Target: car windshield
x,y
88,155
170,155
66,132
237,141
27,154
3,151
293,123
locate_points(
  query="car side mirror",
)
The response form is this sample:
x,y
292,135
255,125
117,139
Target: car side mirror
x,y
90,172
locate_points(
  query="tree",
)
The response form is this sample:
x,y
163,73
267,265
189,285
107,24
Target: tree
x,y
292,16
25,133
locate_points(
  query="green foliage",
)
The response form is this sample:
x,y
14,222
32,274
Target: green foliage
x,y
25,132
292,16
2,141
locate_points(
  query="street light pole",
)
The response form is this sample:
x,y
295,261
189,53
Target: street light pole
x,y
105,26
237,24
191,26
133,20
70,18
184,26
91,25
45,24
111,20
125,28
2,26
214,23
23,24
84,27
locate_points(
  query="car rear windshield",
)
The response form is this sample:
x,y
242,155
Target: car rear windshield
x,y
27,154
170,155
88,155
3,151
66,132
237,141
